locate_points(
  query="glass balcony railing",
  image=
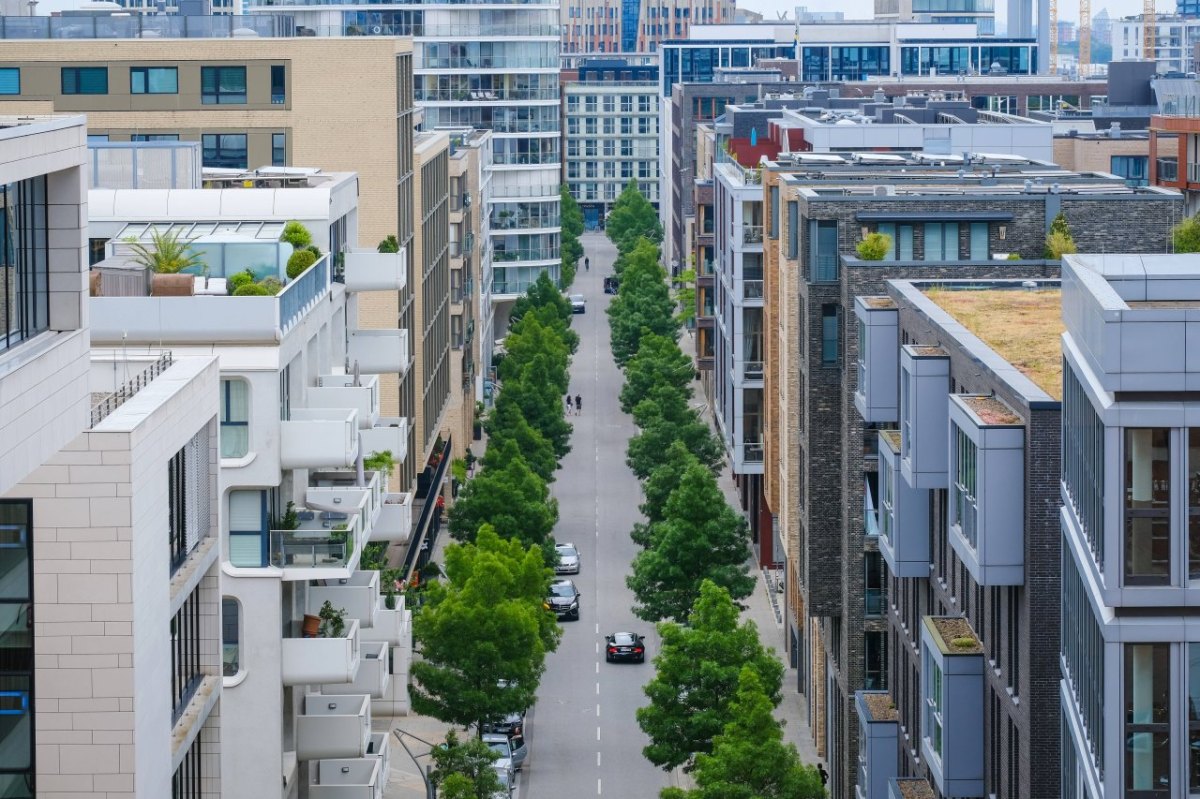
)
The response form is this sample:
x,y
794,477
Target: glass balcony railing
x,y
488,95
752,370
1167,168
514,159
532,254
1193,173
523,221
292,549
752,452
138,26
486,62
752,234
752,289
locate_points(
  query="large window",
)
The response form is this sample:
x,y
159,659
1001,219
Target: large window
x,y
963,495
1147,705
10,80
16,648
1081,645
85,80
24,268
875,660
278,149
933,704
876,584
235,418
901,247
153,80
1147,494
231,636
278,84
793,231
1193,718
823,250
225,150
1193,473
248,528
1131,167
941,241
1083,461
186,644
189,492
222,86
831,324
979,241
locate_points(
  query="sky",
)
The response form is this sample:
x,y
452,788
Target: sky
x,y
861,9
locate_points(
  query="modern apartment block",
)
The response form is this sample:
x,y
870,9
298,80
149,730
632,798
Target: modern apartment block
x,y
1129,553
252,103
965,377
614,26
959,220
300,414
112,649
612,136
1175,40
487,68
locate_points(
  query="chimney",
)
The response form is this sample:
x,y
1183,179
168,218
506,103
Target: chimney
x,y
879,95
1114,130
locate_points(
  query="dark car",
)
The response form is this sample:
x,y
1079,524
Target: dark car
x,y
564,599
610,285
625,646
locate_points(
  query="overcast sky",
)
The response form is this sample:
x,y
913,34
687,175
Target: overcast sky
x,y
861,9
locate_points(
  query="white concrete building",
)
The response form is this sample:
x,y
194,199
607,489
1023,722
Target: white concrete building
x,y
299,411
1130,548
1175,40
124,633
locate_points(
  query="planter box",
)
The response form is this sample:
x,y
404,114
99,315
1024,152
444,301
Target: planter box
x,y
322,660
390,433
391,626
877,394
358,595
333,726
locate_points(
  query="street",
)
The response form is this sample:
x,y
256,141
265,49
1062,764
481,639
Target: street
x,y
583,734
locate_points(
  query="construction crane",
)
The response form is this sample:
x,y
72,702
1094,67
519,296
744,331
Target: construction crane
x,y
1053,37
1149,29
1085,37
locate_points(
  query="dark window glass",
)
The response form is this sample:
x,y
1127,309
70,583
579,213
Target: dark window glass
x,y
1147,708
278,84
793,229
231,649
85,80
875,660
24,268
876,584
823,249
226,150
154,137
1147,493
278,149
185,654
222,86
16,648
831,317
773,232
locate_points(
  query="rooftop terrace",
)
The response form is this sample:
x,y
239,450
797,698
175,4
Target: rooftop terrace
x,y
1023,326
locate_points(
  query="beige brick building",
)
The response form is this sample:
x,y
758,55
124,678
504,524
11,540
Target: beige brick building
x,y
1100,152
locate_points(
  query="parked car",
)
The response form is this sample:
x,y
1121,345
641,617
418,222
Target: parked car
x,y
568,559
511,724
508,779
578,304
564,599
610,285
625,646
510,747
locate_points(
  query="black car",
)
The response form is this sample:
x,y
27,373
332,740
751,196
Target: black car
x,y
625,646
564,599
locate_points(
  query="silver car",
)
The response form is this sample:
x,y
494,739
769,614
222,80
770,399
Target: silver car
x,y
509,747
568,559
578,304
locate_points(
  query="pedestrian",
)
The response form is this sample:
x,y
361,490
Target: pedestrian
x,y
587,264
578,405
568,405
824,774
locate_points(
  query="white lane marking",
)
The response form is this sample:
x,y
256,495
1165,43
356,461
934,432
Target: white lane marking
x,y
598,790
597,649
597,667
597,686
597,629
597,710
597,760
597,732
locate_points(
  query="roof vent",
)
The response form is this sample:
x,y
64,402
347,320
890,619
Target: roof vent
x,y
1114,130
884,191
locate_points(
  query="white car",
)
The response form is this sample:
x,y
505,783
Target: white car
x,y
578,304
568,559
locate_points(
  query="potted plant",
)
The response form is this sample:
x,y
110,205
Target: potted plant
x,y
298,262
166,257
333,620
296,234
389,598
380,462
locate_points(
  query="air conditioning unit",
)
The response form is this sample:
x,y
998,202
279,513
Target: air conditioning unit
x,y
884,191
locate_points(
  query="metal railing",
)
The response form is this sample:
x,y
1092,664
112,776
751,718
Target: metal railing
x,y
503,193
530,254
489,95
301,549
490,62
138,26
421,543
134,385
752,452
752,234
1167,168
526,159
1193,173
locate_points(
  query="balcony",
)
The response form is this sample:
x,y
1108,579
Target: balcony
x,y
1193,173
395,519
910,788
987,489
752,289
752,370
903,514
924,416
752,234
309,661
374,674
357,594
379,351
1167,169
952,693
391,624
878,751
343,391
877,394
389,435
318,437
358,778
369,270
333,726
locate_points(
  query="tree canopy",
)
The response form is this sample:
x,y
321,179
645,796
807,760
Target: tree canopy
x,y
632,217
643,303
485,622
700,538
697,671
509,498
665,417
536,392
1185,237
571,221
464,769
506,424
658,361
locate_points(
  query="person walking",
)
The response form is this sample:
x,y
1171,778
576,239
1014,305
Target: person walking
x,y
824,774
578,405
569,406
587,264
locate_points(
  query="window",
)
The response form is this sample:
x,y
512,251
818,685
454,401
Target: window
x,y
153,80
10,80
962,490
24,274
875,660
941,241
235,418
226,150
979,241
185,654
16,665
222,86
188,780
85,80
773,225
1147,705
793,242
1193,503
823,250
278,149
154,137
1194,716
247,528
1131,167
933,704
1083,461
189,492
901,247
1147,493
231,637
876,584
831,318
278,84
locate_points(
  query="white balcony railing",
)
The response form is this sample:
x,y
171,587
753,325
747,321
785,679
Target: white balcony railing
x,y
379,351
316,438
395,519
357,778
374,673
340,391
370,270
322,660
333,726
391,625
357,594
390,434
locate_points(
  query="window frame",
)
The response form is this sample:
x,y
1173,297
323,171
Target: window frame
x,y
222,96
10,71
219,137
77,73
226,411
145,72
278,149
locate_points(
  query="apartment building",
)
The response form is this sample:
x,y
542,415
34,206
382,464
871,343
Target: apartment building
x,y
303,488
1128,564
112,648
963,508
611,136
1175,39
1125,154
485,68
822,475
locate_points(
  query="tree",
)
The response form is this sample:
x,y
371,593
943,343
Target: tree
x,y
507,425
685,295
542,293
1185,237
696,675
485,622
166,255
464,769
632,217
571,220
643,302
749,759
658,361
529,340
537,394
664,418
874,247
1059,241
700,538
510,498
657,488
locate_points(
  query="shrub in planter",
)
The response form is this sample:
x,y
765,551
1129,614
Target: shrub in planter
x,y
251,290
874,247
298,262
272,285
315,250
1014,256
296,234
243,278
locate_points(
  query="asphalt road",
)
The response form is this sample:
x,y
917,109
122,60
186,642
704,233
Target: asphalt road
x,y
583,735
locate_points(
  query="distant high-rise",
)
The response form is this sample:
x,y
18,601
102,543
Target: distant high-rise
x,y
610,26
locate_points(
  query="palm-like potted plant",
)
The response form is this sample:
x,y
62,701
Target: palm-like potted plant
x,y
167,255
